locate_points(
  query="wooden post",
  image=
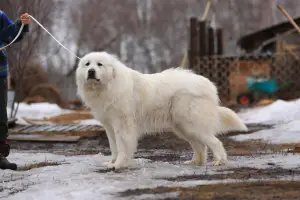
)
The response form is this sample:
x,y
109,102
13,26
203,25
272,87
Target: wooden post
x,y
202,39
220,46
193,50
211,41
219,70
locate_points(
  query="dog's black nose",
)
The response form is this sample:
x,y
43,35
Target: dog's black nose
x,y
91,73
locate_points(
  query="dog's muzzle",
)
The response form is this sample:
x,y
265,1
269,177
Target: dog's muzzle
x,y
91,74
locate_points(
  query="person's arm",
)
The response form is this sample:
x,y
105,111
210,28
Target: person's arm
x,y
10,29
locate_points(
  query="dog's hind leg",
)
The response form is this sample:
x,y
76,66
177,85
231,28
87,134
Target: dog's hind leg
x,y
216,146
206,138
198,119
199,141
200,137
200,154
200,150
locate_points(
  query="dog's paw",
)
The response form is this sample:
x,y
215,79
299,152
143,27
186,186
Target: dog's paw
x,y
193,162
190,162
117,166
113,166
219,162
110,165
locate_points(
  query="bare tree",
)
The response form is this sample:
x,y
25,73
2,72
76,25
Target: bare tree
x,y
28,50
96,26
158,38
148,35
88,25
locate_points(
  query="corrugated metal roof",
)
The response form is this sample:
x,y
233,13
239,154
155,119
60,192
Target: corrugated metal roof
x,y
57,129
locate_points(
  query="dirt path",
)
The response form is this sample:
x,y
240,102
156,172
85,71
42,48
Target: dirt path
x,y
168,148
271,190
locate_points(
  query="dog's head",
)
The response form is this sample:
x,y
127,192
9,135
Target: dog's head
x,y
96,68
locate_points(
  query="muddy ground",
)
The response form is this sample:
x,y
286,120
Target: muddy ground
x,y
168,148
260,190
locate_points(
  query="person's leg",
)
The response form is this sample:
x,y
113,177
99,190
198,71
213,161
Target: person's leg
x,y
4,146
3,112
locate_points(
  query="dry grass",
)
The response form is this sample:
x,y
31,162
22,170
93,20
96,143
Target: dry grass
x,y
253,147
38,165
49,92
35,99
33,75
243,173
296,149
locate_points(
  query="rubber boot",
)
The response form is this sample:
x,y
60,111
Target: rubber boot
x,y
4,152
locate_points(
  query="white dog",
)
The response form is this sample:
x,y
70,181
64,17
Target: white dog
x,y
128,103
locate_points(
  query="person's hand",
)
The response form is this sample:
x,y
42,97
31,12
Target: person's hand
x,y
25,18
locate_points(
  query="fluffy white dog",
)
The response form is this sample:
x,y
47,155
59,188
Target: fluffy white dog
x,y
129,103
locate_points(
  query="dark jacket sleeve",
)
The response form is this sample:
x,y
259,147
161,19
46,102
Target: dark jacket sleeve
x,y
9,29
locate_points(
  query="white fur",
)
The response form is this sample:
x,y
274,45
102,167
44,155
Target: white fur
x,y
129,103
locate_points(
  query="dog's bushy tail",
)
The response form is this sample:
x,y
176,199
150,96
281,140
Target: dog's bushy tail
x,y
230,121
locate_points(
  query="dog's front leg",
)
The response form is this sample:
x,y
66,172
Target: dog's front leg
x,y
126,140
112,144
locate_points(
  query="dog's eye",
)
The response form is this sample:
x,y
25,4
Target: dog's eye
x,y
99,64
87,64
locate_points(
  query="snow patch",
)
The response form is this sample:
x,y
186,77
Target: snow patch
x,y
90,122
280,134
277,112
284,115
78,177
38,110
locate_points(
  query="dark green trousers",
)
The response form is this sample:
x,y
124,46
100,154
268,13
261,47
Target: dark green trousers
x,y
3,112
